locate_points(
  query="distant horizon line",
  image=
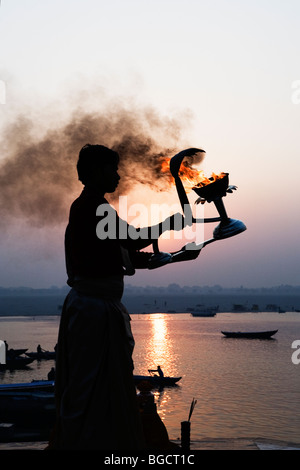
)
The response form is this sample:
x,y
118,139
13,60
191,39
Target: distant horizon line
x,y
171,287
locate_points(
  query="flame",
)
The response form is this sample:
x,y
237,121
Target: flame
x,y
191,176
205,180
165,165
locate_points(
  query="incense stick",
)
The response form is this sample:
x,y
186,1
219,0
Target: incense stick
x,y
193,404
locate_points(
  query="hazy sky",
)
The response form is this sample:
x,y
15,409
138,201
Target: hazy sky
x,y
223,75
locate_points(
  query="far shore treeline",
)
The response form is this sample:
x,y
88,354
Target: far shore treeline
x,y
25,301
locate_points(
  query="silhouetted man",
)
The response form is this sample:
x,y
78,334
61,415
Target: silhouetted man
x,y
95,392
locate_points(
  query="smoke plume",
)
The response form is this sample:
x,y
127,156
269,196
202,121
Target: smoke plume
x,y
38,177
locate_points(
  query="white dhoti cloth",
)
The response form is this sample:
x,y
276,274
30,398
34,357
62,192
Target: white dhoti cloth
x,y
95,393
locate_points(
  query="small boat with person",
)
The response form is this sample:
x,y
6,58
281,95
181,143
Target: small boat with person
x,y
156,380
41,353
46,355
250,334
156,377
14,359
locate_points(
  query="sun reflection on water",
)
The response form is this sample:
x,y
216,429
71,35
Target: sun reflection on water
x,y
160,351
160,345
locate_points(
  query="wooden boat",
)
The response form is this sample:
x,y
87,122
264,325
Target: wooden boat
x,y
250,334
203,314
11,353
16,363
33,386
203,311
156,380
28,409
46,355
28,406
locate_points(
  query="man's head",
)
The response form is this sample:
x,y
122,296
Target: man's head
x,y
97,166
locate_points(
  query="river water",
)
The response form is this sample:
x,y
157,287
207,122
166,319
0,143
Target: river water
x,y
244,388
